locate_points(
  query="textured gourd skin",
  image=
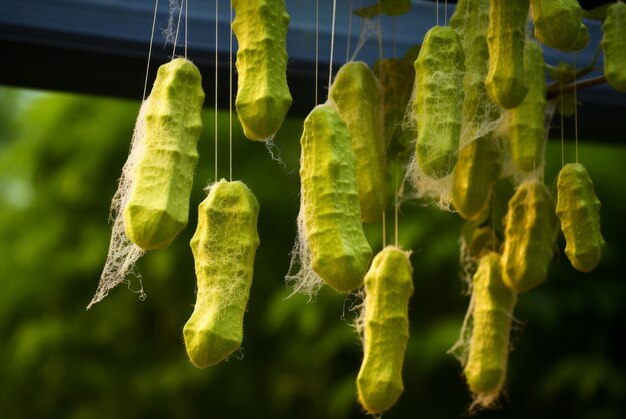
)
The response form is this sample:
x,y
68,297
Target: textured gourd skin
x,y
388,287
527,132
471,20
578,208
506,82
559,24
223,247
158,204
358,98
485,369
475,172
438,101
530,232
614,46
263,96
330,202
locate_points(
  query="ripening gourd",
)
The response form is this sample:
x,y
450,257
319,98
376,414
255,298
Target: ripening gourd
x,y
480,114
559,24
479,240
526,122
330,203
438,101
263,96
476,170
485,369
614,46
388,287
223,246
530,232
358,97
506,81
578,208
158,204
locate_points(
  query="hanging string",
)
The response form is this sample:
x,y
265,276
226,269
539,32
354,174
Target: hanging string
x,y
575,110
216,65
230,99
437,11
332,45
380,58
445,12
180,13
145,85
349,31
186,24
317,46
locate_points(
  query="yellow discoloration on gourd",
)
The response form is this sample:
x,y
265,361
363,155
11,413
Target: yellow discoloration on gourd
x,y
526,122
506,81
438,101
388,287
578,208
330,202
263,96
492,313
158,204
223,247
357,94
614,46
531,228
559,24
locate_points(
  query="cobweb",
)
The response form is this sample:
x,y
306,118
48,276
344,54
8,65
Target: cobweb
x,y
123,254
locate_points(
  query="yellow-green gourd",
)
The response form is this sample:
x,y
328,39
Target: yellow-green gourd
x,y
578,208
388,287
526,122
330,202
471,21
158,203
475,172
614,46
559,24
506,81
223,247
358,98
530,232
438,102
263,96
485,369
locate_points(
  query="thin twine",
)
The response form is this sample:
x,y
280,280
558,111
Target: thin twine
x,y
180,13
186,24
349,32
145,85
317,47
437,11
562,134
445,13
332,45
575,110
216,65
230,98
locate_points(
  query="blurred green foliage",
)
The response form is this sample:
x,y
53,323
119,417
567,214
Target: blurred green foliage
x,y
60,158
